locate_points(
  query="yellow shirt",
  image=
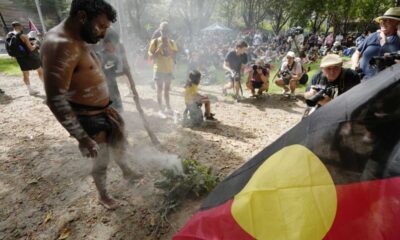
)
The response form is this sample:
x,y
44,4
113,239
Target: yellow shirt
x,y
163,64
190,92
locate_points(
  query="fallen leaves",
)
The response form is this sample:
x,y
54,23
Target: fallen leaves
x,y
65,233
48,217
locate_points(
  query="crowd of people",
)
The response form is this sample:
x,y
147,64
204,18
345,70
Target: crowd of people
x,y
84,97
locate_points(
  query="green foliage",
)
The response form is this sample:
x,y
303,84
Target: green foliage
x,y
9,66
195,181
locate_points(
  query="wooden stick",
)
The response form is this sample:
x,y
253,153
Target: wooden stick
x,y
136,99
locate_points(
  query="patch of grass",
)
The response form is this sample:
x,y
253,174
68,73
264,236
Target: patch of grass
x,y
9,66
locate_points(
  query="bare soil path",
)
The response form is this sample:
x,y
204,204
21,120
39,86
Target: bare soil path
x,y
46,191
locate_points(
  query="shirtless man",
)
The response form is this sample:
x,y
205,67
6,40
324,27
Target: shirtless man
x,y
77,92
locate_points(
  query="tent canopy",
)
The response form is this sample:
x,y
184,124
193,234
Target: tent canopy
x,y
216,27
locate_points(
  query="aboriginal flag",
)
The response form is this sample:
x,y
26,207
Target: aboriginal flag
x,y
336,175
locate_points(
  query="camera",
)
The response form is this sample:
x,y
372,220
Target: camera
x,y
264,69
382,62
285,75
295,31
236,76
329,91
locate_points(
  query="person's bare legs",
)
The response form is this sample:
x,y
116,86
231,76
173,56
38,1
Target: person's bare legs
x,y
281,83
207,106
28,83
26,78
263,88
292,86
237,88
118,154
227,86
159,84
99,173
40,73
167,88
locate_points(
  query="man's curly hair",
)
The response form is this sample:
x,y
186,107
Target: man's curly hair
x,y
93,8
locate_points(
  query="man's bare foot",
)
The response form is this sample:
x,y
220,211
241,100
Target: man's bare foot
x,y
109,203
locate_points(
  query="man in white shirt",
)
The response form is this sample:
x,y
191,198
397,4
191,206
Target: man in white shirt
x,y
289,74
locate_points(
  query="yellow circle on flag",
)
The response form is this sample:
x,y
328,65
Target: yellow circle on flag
x,y
290,196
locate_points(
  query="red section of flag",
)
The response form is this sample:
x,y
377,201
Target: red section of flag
x,y
367,210
213,224
32,27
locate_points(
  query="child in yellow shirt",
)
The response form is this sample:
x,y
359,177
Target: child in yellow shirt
x,y
193,99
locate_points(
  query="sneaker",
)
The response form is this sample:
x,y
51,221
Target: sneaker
x,y
292,97
169,111
33,92
285,92
211,118
161,114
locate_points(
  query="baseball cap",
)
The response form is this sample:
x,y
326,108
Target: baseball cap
x,y
16,23
290,54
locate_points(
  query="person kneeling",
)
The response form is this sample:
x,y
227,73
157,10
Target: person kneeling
x,y
194,100
290,73
258,79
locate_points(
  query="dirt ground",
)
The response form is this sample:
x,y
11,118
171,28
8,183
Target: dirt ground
x,y
46,191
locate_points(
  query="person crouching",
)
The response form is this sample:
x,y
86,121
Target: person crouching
x,y
258,79
194,100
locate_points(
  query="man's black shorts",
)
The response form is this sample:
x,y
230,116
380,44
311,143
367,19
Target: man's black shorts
x,y
29,62
256,84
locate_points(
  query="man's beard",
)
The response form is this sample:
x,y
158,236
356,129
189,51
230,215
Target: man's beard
x,y
88,35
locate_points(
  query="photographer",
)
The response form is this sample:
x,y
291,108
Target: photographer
x,y
26,54
258,79
296,38
332,80
377,44
290,73
233,64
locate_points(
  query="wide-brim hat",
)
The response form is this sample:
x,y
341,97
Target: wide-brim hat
x,y
331,60
391,13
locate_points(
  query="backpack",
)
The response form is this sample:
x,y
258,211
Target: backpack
x,y
304,78
14,45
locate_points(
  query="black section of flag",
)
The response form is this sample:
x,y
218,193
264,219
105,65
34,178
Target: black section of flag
x,y
354,135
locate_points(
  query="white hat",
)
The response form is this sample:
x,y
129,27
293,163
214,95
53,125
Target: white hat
x,y
290,54
391,13
331,60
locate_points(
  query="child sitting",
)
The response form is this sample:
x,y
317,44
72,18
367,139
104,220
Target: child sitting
x,y
194,100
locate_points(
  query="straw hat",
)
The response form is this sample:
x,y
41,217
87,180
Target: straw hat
x,y
392,13
331,60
